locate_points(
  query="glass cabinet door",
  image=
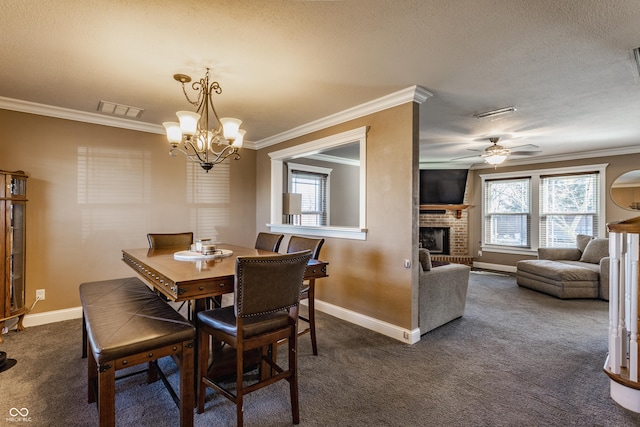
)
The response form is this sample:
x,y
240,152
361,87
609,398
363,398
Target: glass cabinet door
x,y
17,245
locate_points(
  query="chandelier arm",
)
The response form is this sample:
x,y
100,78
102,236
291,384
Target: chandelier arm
x,y
226,152
217,89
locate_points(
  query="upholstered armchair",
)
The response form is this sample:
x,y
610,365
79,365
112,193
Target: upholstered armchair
x,y
442,293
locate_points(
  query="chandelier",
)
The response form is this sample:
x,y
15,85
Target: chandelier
x,y
193,137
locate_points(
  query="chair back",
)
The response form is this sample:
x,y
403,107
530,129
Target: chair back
x,y
267,284
269,241
170,240
297,244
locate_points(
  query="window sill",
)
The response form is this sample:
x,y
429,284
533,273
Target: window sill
x,y
352,233
507,250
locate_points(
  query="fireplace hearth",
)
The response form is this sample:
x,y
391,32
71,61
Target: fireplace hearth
x,y
436,239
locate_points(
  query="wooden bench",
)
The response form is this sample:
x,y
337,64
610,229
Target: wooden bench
x,y
126,324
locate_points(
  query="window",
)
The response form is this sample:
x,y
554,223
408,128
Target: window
x,y
312,183
568,206
507,217
545,208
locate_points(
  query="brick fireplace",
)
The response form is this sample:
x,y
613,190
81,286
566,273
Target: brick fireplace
x,y
456,222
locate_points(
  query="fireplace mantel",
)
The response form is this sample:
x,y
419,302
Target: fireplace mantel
x,y
457,208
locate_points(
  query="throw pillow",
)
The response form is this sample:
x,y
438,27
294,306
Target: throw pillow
x,y
582,240
596,250
424,256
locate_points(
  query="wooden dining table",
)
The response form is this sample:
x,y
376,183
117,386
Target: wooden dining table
x,y
198,279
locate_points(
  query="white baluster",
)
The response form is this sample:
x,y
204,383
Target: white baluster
x,y
615,345
632,321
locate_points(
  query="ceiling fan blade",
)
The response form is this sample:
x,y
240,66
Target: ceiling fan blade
x,y
524,145
526,153
467,157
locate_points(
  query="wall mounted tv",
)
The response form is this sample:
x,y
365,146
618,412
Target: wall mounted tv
x,y
442,186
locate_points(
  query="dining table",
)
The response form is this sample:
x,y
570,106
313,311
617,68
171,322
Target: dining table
x,y
198,278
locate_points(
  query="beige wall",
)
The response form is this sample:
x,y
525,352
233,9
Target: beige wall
x,y
617,166
94,190
368,277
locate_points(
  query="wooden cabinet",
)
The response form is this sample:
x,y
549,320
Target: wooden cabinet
x,y
13,205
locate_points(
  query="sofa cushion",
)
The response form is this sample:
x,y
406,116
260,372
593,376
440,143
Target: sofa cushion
x,y
582,240
596,250
558,271
424,256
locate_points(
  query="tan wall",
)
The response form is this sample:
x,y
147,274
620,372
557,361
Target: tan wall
x,y
77,222
617,166
368,277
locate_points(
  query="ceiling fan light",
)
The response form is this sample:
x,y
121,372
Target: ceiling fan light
x,y
495,159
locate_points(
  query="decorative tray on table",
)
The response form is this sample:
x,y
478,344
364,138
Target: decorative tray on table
x,y
196,256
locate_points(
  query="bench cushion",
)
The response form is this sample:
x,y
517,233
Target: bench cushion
x,y
124,317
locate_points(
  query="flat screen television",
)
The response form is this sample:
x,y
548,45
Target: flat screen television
x,y
442,186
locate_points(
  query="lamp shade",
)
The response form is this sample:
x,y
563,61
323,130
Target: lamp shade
x,y
230,127
292,204
238,142
188,122
174,134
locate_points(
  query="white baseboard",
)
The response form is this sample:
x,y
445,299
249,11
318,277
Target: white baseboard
x,y
384,328
496,267
52,316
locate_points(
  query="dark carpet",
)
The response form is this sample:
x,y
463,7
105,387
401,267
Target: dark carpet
x,y
516,358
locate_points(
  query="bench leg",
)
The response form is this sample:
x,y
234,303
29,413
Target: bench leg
x,y
187,386
107,395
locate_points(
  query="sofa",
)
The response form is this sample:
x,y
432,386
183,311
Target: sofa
x,y
580,272
442,293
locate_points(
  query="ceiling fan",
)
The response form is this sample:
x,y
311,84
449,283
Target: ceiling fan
x,y
496,154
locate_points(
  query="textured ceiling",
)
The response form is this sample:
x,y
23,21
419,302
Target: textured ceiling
x,y
567,66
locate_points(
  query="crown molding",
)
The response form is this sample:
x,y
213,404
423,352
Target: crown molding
x,y
411,94
78,116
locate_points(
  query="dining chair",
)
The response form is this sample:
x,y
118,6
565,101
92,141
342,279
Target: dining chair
x,y
170,240
307,291
268,241
265,311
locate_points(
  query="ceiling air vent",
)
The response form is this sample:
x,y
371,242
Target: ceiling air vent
x,y
114,109
494,113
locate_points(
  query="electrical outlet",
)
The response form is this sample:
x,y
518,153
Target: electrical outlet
x,y
479,253
407,263
40,294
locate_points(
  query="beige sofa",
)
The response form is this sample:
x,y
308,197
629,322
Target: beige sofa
x,y
581,272
442,294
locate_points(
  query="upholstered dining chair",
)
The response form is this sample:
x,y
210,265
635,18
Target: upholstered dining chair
x,y
307,291
170,240
268,241
265,311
